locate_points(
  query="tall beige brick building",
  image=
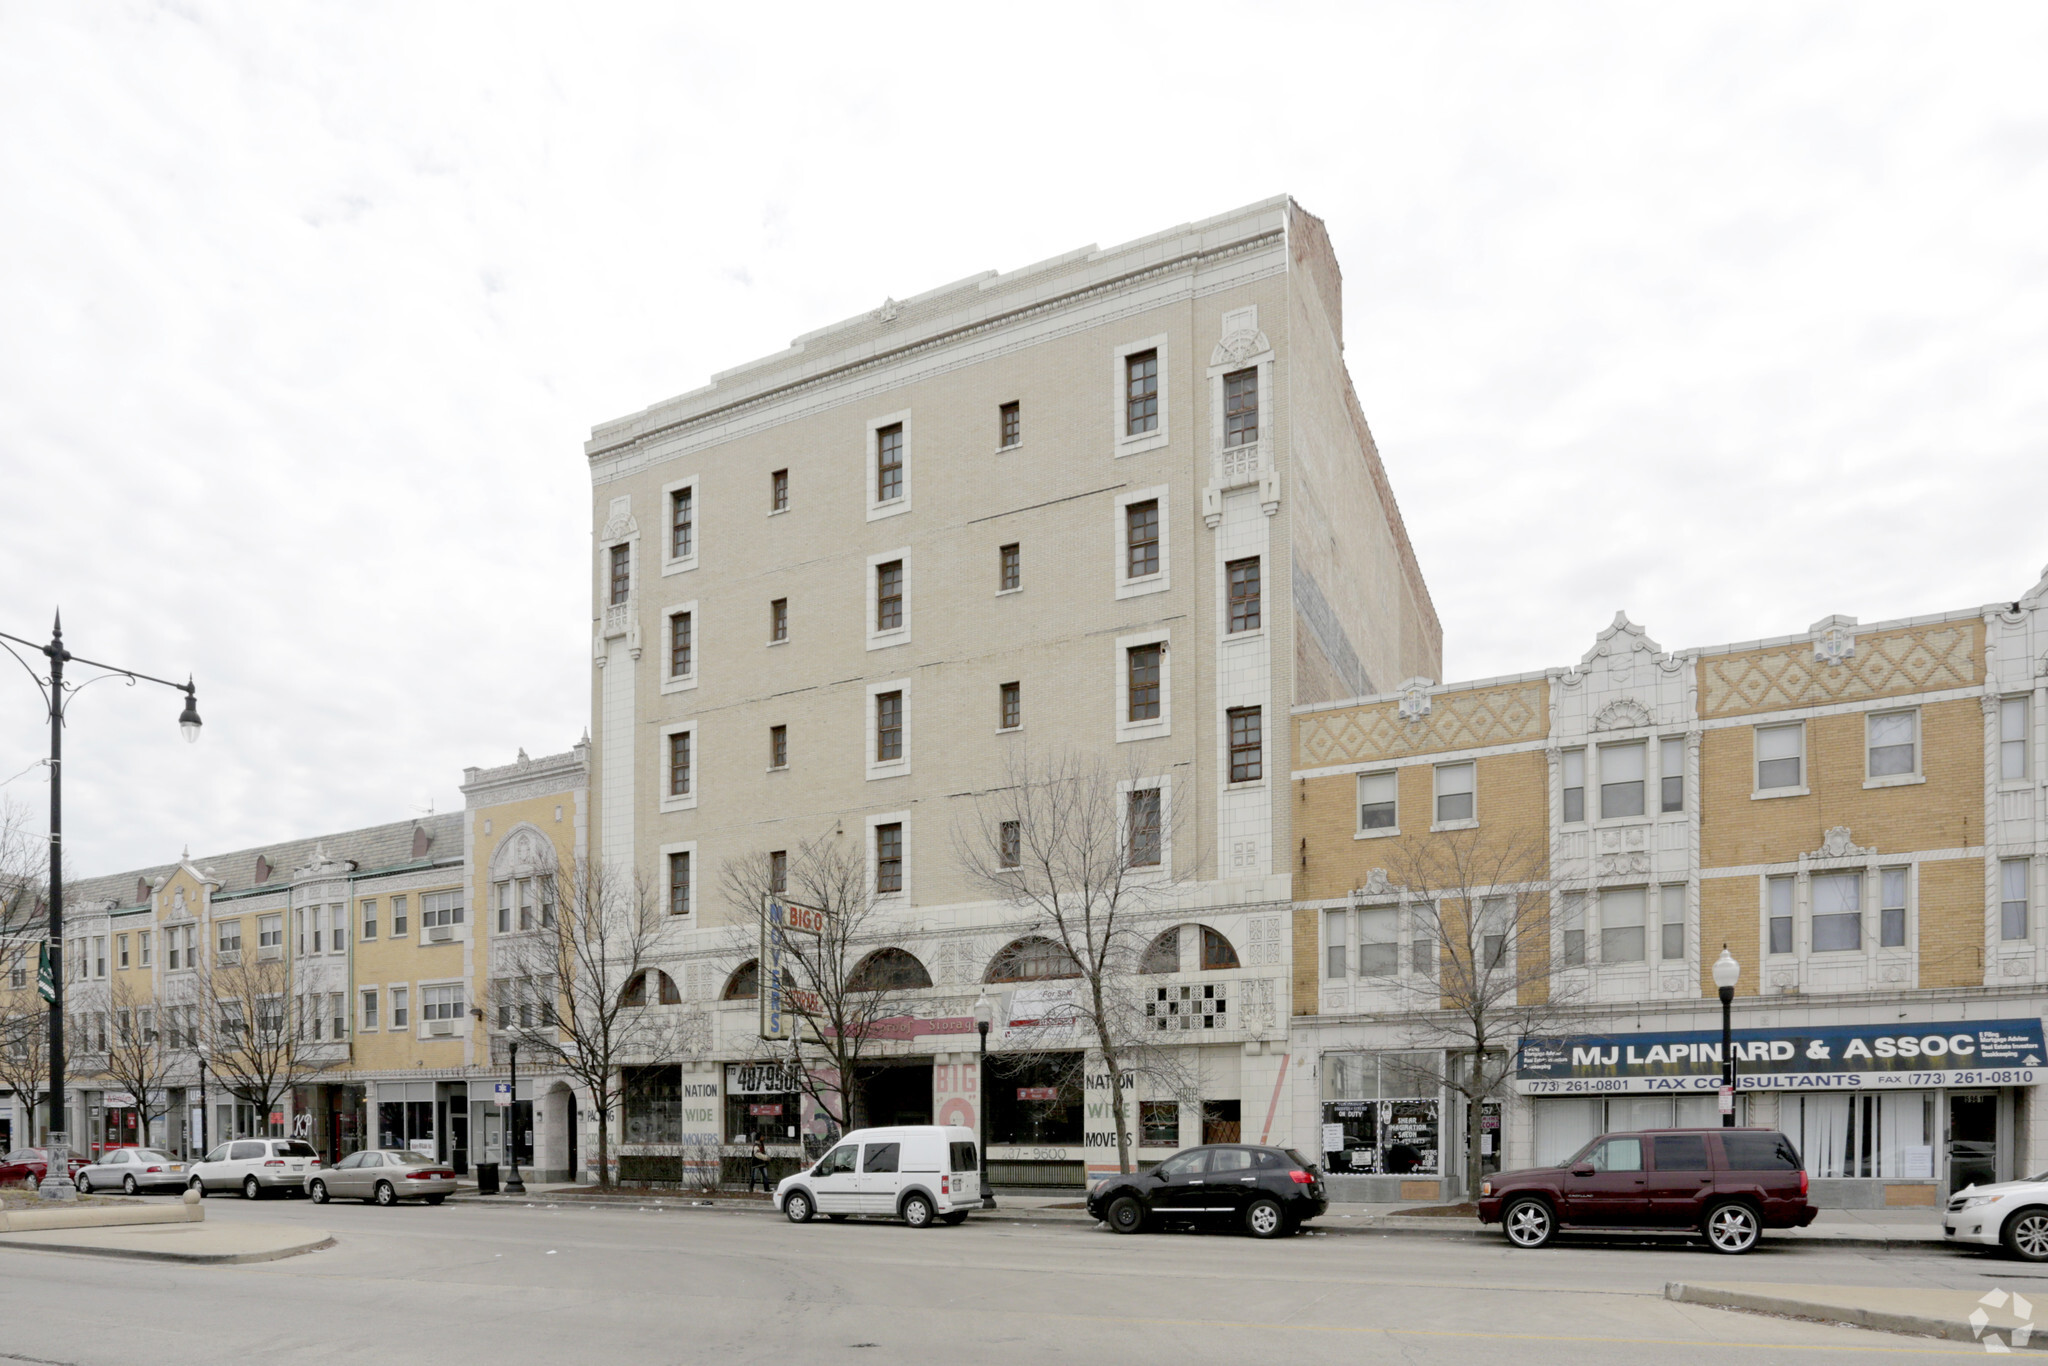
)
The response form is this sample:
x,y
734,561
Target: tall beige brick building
x,y
1122,501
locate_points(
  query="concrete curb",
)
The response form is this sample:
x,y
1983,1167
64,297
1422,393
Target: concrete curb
x,y
1854,1316
186,1258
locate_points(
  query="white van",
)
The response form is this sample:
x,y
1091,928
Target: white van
x,y
917,1173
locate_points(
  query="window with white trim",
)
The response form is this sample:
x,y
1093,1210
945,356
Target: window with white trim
x,y
1622,915
1379,801
1621,780
441,908
2012,898
2014,732
1837,912
1456,796
1571,919
367,1011
1671,945
1893,744
1780,758
441,1002
1779,899
1572,764
1143,542
401,1014
1891,908
1671,772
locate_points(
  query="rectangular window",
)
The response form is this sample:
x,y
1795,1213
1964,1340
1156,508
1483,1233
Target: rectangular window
x,y
337,929
1009,568
1141,393
142,947
503,892
889,858
679,764
2012,739
1142,828
1779,751
1247,745
778,619
1158,1124
1010,424
231,936
121,950
441,1002
682,524
778,871
1010,706
778,491
369,919
1671,771
99,951
1454,793
622,573
1894,746
1244,594
1621,925
681,657
337,1016
1572,929
441,908
1378,801
1673,946
1621,780
889,596
1573,764
2012,898
1891,908
1010,844
1144,683
1837,912
889,463
1781,914
369,1009
888,727
1379,947
679,883
524,889
1141,539
306,920
1494,925
270,931
778,746
1241,407
401,1014
399,928
1333,944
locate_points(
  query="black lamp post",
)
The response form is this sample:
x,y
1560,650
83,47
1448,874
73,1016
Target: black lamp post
x,y
513,1185
57,1181
1727,972
984,1016
203,1112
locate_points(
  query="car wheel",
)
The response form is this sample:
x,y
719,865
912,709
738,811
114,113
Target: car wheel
x,y
433,1199
386,1194
195,1184
1529,1223
128,1185
318,1190
954,1219
2026,1235
797,1208
917,1211
1126,1215
84,1184
1731,1228
250,1190
1264,1219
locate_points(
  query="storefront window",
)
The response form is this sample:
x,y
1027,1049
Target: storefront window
x,y
1381,1113
763,1099
1565,1124
1882,1134
653,1103
1035,1102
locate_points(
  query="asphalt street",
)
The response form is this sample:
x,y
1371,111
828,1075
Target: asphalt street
x,y
519,1283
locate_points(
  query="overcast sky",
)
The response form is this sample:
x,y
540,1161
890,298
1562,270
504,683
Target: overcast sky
x,y
1730,316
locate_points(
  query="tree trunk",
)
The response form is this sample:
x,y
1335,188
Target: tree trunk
x,y
604,1162
1475,1117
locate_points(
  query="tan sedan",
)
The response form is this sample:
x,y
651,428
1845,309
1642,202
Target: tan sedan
x,y
385,1175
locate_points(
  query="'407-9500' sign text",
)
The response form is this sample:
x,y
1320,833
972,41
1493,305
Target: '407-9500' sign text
x,y
1791,1057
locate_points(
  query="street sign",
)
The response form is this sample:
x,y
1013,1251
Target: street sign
x,y
502,1093
790,936
1727,1100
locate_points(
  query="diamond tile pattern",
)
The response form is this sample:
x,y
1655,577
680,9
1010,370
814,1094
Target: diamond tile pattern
x,y
1457,720
1921,659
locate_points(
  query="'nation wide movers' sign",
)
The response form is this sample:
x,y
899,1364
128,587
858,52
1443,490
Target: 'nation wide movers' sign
x,y
1789,1058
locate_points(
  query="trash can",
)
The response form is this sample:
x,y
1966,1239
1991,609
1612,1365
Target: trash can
x,y
486,1178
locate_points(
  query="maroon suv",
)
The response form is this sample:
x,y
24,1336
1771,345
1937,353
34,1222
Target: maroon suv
x,y
1730,1184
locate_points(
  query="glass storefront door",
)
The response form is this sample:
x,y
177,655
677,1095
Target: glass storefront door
x,y
1972,1139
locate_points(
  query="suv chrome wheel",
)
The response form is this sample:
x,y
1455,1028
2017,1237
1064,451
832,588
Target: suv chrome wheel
x,y
1732,1228
1264,1219
2026,1235
1529,1223
128,1185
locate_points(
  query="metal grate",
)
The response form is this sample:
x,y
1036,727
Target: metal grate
x,y
1183,1008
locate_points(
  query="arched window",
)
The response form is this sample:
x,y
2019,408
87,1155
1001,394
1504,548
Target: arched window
x,y
745,982
1164,954
654,980
1033,959
888,970
1216,951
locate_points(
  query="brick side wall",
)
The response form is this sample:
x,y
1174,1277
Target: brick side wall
x,y
1952,923
1730,914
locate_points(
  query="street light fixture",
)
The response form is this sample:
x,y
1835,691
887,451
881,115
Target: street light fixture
x,y
984,1016
57,697
1727,972
513,1186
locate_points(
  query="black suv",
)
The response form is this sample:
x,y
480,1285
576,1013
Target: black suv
x,y
1270,1191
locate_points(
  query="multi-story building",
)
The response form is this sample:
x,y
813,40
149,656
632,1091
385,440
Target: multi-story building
x,y
370,945
1122,502
1855,812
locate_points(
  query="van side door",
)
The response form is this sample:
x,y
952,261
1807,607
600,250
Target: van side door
x,y
880,1176
836,1182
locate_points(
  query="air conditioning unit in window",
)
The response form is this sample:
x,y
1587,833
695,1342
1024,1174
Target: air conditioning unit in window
x,y
439,934
269,953
227,958
442,1027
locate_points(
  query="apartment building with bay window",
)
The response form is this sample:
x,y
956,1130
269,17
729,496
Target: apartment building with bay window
x,y
1855,812
1122,502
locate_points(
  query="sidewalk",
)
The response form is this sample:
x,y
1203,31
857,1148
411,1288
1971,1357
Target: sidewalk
x,y
217,1244
1993,1317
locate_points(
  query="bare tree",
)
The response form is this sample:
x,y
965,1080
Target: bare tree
x,y
1087,857
1478,907
140,1059
581,993
257,1034
838,985
24,1054
24,928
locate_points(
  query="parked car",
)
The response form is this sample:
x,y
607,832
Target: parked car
x,y
133,1170
25,1165
255,1165
383,1175
918,1173
1269,1191
2011,1214
1729,1184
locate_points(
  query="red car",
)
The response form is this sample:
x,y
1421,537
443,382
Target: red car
x,y
1729,1184
23,1165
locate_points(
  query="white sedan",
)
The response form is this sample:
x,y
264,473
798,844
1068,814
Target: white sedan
x,y
2012,1214
132,1170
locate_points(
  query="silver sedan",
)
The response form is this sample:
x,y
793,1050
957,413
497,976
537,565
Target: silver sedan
x,y
385,1175
133,1170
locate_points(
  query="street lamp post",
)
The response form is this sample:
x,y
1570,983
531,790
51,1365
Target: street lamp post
x,y
513,1185
1727,972
203,1112
55,701
984,1016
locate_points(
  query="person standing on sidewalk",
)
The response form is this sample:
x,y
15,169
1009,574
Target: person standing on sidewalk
x,y
757,1166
